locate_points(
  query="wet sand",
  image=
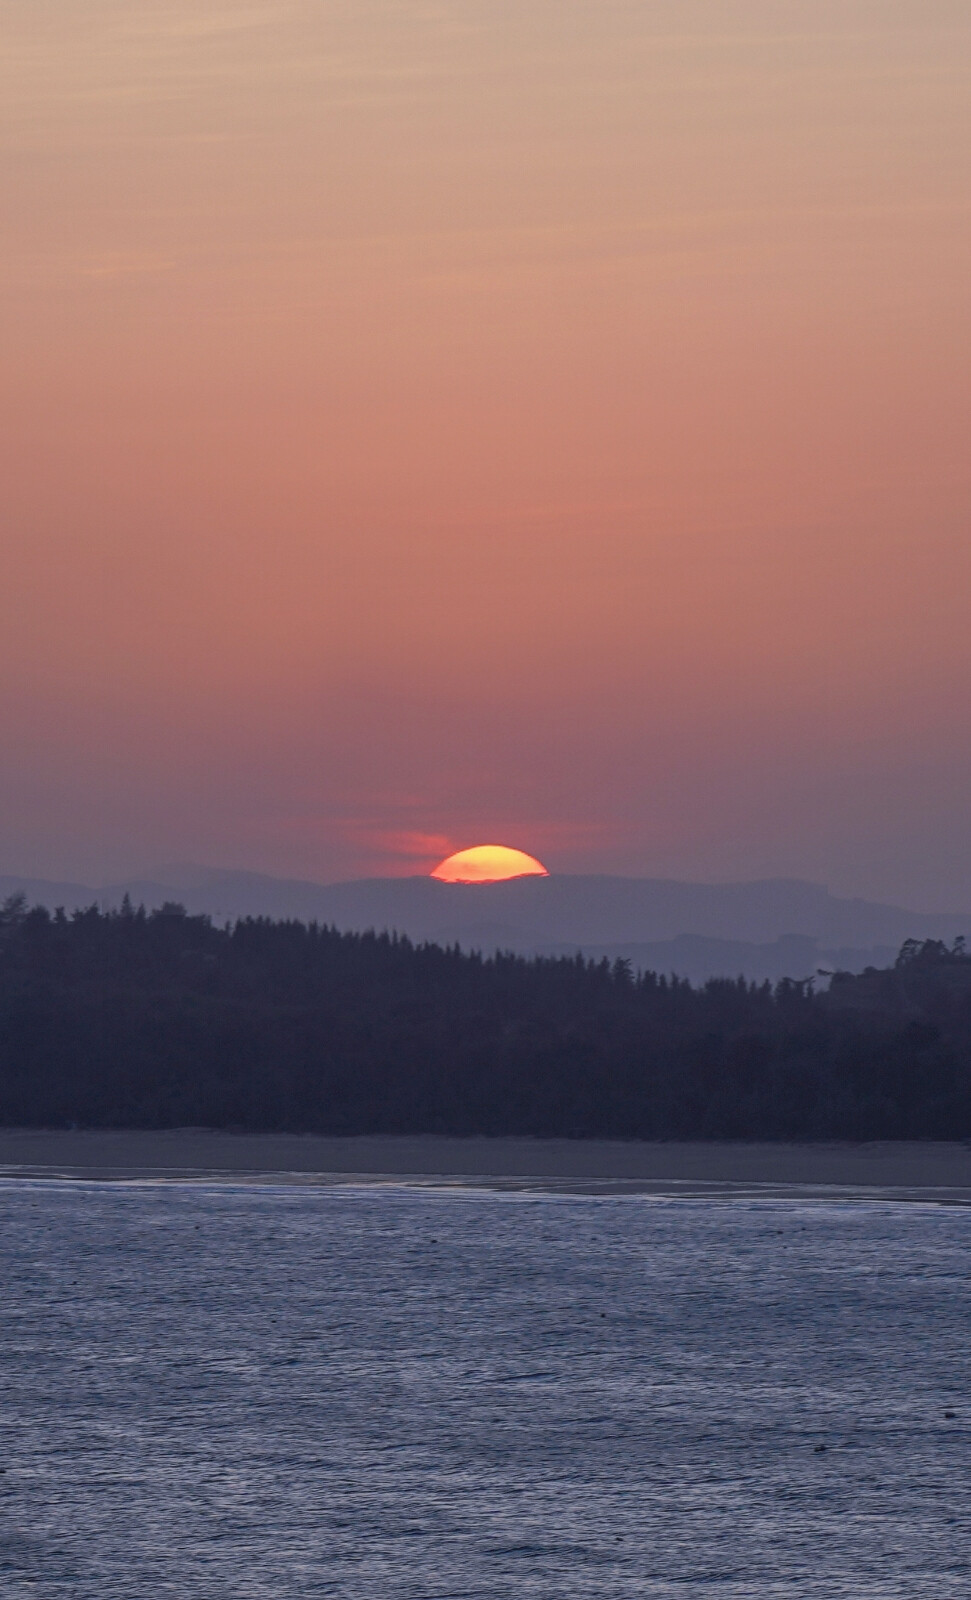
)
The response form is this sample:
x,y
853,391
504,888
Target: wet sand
x,y
913,1171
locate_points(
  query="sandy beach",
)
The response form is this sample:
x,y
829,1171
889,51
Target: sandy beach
x,y
900,1170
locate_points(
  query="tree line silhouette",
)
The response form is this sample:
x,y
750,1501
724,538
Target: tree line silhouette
x,y
150,1020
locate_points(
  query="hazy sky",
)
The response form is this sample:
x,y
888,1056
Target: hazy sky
x,y
540,421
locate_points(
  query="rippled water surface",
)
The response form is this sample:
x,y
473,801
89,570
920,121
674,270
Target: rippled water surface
x,y
279,1392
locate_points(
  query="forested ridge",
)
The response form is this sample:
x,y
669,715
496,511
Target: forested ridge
x,y
128,1019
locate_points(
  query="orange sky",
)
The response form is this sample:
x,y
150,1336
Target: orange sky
x,y
523,419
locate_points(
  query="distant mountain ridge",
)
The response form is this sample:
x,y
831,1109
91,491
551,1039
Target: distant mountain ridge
x,y
770,928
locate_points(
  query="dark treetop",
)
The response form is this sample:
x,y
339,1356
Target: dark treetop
x,y
123,1019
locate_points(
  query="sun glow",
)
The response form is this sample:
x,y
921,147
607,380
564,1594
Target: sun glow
x,y
488,863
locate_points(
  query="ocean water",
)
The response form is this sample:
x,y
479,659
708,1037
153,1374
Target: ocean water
x,y
262,1392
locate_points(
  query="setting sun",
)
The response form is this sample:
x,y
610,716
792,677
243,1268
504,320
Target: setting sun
x,y
488,863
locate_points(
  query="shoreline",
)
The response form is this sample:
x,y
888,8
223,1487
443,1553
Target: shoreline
x,y
880,1170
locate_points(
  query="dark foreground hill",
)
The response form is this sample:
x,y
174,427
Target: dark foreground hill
x,y
775,928
128,1019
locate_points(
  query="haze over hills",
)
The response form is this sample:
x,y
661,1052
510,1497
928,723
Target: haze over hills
x,y
766,929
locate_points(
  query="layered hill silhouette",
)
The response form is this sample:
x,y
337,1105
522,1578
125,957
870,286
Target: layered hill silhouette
x,y
771,928
128,1018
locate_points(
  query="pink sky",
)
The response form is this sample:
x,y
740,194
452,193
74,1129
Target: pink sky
x,y
527,420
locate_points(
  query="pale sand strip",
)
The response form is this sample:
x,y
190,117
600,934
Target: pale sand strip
x,y
905,1170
